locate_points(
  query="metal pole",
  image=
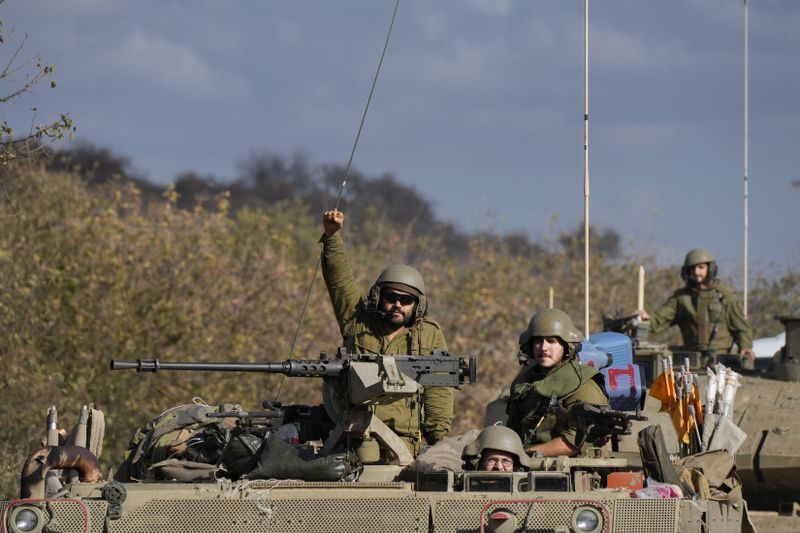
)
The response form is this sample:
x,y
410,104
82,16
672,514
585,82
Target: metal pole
x,y
586,165
746,147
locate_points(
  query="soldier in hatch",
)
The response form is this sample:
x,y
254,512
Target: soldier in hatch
x,y
550,383
496,449
391,320
708,314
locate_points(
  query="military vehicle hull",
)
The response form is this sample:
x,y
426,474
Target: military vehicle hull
x,y
295,506
598,492
769,460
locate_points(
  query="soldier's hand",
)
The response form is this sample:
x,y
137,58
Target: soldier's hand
x,y
332,221
642,314
750,355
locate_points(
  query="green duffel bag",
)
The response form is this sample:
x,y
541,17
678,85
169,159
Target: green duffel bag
x,y
240,455
277,459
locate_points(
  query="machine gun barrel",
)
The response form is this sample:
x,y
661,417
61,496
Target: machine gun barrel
x,y
293,367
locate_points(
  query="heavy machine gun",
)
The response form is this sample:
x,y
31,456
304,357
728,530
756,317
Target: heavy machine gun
x,y
352,383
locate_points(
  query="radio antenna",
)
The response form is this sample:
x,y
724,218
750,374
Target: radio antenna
x,y
746,146
586,166
342,186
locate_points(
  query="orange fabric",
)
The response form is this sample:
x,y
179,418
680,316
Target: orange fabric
x,y
697,401
664,389
681,419
671,385
660,389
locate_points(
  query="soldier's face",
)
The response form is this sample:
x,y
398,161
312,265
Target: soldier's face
x,y
548,351
699,273
496,461
397,306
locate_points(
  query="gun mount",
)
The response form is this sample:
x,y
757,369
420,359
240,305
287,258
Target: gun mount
x,y
352,384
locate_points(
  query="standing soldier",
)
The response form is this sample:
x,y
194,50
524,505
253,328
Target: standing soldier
x,y
552,381
390,320
708,314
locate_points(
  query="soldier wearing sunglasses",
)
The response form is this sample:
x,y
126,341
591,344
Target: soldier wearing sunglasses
x,y
391,319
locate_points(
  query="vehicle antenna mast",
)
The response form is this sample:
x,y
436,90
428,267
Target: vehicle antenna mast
x,y
586,166
342,186
746,146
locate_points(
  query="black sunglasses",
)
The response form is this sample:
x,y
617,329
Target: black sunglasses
x,y
392,297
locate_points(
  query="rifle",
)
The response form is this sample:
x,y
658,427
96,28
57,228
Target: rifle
x,y
597,423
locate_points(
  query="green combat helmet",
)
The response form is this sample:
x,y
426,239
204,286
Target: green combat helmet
x,y
402,278
698,256
499,438
551,323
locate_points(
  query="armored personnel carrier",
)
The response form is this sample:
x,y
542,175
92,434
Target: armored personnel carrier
x,y
350,475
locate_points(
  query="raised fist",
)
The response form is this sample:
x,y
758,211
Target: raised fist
x,y
332,221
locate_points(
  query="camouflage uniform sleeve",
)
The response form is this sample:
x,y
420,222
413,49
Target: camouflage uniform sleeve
x,y
589,392
738,325
438,400
338,274
664,316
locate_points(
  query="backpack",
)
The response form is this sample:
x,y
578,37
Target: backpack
x,y
181,443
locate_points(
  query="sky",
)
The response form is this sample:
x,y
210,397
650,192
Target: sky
x,y
479,104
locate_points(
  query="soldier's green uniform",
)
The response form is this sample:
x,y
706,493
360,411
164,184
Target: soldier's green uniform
x,y
713,314
709,318
537,394
531,392
366,332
